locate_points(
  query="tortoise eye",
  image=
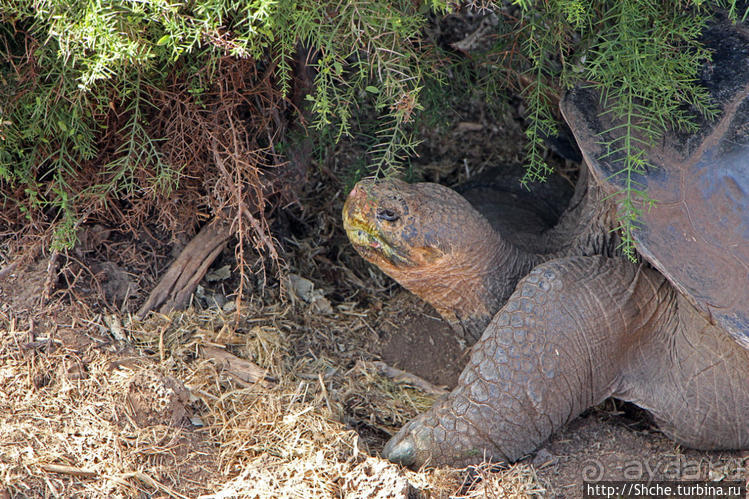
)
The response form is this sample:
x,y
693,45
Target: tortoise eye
x,y
387,215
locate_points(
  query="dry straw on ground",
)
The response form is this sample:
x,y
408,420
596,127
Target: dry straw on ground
x,y
200,404
279,401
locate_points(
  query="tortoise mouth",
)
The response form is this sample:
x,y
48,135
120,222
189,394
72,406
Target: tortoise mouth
x,y
368,242
370,245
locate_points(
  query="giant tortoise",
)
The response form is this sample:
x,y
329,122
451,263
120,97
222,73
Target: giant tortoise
x,y
564,329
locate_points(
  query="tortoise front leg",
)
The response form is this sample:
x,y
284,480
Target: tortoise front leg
x,y
559,345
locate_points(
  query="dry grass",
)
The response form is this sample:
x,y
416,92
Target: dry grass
x,y
97,406
65,431
82,415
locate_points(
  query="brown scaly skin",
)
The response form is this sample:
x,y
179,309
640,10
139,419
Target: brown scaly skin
x,y
533,372
430,240
575,331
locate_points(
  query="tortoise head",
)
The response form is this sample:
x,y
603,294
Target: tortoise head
x,y
405,228
429,239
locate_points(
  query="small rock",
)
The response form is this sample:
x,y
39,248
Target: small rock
x,y
715,476
220,274
304,289
152,398
544,458
301,287
115,326
218,300
323,305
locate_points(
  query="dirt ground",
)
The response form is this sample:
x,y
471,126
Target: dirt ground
x,y
282,397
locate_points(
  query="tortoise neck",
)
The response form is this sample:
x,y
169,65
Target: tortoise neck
x,y
468,287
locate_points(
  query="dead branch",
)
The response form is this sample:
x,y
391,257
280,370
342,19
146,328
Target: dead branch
x,y
187,270
399,376
49,281
68,470
240,369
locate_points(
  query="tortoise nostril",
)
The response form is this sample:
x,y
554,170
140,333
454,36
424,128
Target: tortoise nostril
x,y
355,192
387,215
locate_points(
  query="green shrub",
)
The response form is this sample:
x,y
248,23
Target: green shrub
x,y
86,85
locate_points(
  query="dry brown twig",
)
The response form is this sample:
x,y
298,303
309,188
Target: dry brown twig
x,y
399,376
184,274
241,370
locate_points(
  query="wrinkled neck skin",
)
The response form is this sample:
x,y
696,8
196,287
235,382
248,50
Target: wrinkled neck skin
x,y
449,255
469,286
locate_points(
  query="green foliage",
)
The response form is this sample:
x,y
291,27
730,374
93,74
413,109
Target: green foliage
x,y
540,42
366,54
69,65
72,67
642,55
648,91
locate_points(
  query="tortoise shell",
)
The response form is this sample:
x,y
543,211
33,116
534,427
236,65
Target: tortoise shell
x,y
697,234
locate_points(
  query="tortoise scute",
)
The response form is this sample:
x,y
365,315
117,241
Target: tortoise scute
x,y
697,234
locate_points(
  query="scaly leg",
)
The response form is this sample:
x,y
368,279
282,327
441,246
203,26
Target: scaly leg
x,y
559,345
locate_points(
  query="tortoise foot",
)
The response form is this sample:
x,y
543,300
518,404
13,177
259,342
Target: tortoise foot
x,y
422,441
400,449
441,437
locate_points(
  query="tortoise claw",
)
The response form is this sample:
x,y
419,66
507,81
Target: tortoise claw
x,y
400,449
415,445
